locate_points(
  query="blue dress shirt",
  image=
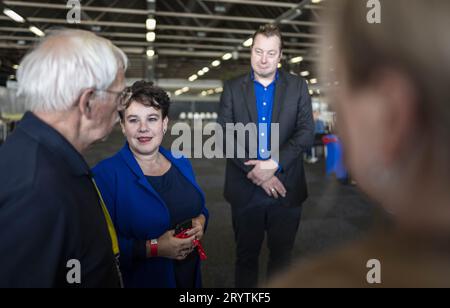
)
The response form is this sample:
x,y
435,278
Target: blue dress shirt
x,y
264,105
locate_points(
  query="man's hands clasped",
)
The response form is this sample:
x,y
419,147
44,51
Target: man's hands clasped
x,y
263,175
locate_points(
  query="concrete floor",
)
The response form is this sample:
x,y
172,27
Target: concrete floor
x,y
333,214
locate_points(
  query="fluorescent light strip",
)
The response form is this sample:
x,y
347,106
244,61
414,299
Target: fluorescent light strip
x,y
227,56
296,59
13,15
304,74
36,31
151,24
248,42
151,36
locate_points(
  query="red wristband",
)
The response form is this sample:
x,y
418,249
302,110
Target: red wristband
x,y
154,248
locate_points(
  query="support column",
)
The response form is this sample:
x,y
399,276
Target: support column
x,y
151,36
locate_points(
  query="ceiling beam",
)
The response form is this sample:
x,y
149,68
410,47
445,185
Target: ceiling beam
x,y
173,84
235,18
195,54
19,38
257,3
223,48
163,52
279,4
160,13
204,7
231,30
213,54
84,8
161,27
129,43
13,46
83,22
171,37
204,29
196,46
186,9
145,12
14,29
198,38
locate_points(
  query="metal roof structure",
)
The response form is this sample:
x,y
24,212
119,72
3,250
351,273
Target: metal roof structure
x,y
189,34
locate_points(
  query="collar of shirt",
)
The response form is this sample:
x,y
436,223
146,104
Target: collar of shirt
x,y
55,142
252,76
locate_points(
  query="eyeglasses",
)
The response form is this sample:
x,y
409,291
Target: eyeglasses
x,y
119,95
124,98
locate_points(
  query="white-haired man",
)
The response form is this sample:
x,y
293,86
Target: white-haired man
x,y
54,229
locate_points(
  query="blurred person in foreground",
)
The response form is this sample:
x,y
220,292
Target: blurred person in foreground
x,y
149,192
394,119
51,216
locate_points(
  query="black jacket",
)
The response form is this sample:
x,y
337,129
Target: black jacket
x,y
50,213
293,111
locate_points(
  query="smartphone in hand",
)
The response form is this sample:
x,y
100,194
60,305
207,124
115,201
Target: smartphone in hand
x,y
181,227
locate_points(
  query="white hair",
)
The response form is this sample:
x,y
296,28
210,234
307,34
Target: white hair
x,y
52,76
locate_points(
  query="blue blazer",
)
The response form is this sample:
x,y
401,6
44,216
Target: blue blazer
x,y
139,214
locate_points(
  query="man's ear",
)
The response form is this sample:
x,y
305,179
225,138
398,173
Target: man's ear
x,y
400,104
85,103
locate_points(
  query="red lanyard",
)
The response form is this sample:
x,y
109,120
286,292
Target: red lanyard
x,y
196,243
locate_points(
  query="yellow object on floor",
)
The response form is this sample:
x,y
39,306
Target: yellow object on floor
x,y
12,116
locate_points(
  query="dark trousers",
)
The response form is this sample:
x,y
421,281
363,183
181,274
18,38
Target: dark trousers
x,y
250,225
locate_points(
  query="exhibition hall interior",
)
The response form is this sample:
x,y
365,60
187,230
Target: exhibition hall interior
x,y
195,54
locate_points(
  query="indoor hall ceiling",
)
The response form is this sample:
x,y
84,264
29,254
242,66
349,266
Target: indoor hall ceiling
x,y
190,34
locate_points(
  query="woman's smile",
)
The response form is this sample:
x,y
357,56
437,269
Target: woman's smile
x,y
144,140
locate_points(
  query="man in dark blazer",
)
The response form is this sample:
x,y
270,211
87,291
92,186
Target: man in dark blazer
x,y
54,228
266,190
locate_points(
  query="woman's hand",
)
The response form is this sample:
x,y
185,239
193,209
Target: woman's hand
x,y
174,248
198,225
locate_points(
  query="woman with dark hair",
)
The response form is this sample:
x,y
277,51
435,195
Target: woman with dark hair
x,y
150,195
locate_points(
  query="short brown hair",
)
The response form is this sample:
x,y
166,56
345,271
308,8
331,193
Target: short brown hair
x,y
400,41
269,30
146,94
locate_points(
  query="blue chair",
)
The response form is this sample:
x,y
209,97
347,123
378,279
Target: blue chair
x,y
335,157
